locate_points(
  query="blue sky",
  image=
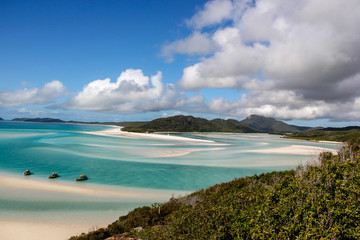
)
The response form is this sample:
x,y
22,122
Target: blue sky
x,y
138,60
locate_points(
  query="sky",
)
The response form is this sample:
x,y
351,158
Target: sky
x,y
135,60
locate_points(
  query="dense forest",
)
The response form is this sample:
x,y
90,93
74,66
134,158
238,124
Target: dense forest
x,y
317,201
190,124
251,124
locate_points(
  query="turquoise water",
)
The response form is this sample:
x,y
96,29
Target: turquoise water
x,y
142,163
161,167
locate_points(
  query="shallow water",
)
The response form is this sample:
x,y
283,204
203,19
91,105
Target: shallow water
x,y
166,165
64,148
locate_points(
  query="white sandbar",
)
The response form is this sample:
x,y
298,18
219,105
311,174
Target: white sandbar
x,y
295,149
117,132
24,183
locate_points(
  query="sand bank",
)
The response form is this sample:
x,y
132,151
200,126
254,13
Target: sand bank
x,y
117,132
330,142
294,149
47,221
92,190
177,152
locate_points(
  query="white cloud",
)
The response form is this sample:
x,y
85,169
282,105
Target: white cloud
x,y
297,59
197,43
31,112
133,92
284,104
45,95
214,12
120,96
223,69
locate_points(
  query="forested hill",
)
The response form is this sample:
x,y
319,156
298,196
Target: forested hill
x,y
266,124
190,124
182,123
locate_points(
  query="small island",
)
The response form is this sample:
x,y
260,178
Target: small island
x,y
37,120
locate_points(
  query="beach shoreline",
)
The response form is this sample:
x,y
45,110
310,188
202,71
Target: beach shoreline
x,y
10,181
295,149
62,224
116,131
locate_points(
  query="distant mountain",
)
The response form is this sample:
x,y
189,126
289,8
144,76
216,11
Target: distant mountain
x,y
1,119
37,120
266,124
183,123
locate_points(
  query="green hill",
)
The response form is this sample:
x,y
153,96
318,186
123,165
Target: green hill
x,y
265,124
190,124
182,123
320,201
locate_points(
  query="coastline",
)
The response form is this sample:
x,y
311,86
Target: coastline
x,y
35,226
59,224
9,181
116,131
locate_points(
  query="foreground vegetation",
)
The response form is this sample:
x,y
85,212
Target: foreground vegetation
x,y
321,201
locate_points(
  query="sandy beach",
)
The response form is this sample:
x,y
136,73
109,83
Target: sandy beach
x,y
295,149
63,225
93,190
17,230
116,131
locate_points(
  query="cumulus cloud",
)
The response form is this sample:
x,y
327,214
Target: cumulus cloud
x,y
286,105
45,95
214,12
304,51
120,96
133,92
197,43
